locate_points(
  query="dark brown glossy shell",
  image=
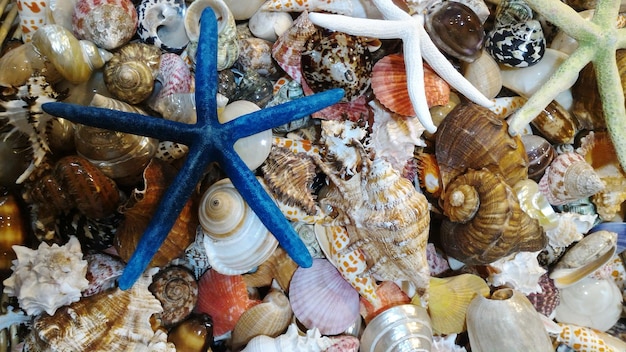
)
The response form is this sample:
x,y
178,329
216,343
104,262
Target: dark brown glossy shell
x,y
540,154
138,212
177,290
497,228
556,124
12,228
473,137
193,335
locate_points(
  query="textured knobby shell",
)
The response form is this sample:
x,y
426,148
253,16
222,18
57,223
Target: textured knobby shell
x,y
485,221
109,24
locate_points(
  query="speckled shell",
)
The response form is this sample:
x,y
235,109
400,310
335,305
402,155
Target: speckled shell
x,y
474,137
177,290
256,54
139,209
547,299
109,23
287,49
337,60
389,83
102,272
161,23
310,291
519,44
113,320
33,14
269,318
568,178
175,78
540,154
131,72
485,222
456,29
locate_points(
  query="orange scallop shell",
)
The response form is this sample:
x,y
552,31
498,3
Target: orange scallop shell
x,y
389,83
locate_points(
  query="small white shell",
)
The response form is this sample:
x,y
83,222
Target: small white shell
x,y
521,271
236,241
313,341
161,23
269,25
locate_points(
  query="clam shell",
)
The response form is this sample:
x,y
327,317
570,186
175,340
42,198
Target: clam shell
x,y
493,324
287,49
236,240
131,72
404,327
588,255
484,74
389,83
310,291
224,298
109,23
177,290
269,318
161,23
449,299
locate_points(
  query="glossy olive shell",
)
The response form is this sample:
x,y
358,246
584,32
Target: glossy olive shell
x,y
456,29
540,154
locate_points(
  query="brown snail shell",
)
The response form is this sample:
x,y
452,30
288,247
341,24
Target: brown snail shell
x,y
139,210
194,334
485,221
472,136
177,290
131,72
556,124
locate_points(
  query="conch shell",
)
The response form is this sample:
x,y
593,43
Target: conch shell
x,y
485,221
112,320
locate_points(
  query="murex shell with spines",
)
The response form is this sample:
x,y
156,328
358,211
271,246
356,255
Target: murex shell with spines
x,y
474,137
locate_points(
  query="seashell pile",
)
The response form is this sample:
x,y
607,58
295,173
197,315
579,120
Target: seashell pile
x,y
465,237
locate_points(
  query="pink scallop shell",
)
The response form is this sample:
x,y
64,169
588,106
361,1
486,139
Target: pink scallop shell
x,y
321,298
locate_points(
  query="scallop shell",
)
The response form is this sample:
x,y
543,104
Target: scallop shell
x,y
113,320
279,266
484,74
102,272
520,271
519,44
337,60
287,49
588,255
404,327
569,178
236,240
48,278
161,23
140,208
449,298
485,221
109,24
389,83
493,324
472,136
177,290
224,298
455,29
131,72
33,14
310,291
269,318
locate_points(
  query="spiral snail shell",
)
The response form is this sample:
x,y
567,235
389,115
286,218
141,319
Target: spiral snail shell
x,y
131,72
177,290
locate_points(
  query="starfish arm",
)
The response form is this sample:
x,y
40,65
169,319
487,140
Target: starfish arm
x,y
172,202
612,97
563,78
440,64
606,12
565,18
255,122
381,29
415,82
122,121
206,104
260,202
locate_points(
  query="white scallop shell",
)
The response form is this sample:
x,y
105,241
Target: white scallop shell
x,y
520,271
236,240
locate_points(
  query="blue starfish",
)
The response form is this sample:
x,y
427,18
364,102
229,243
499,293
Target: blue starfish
x,y
208,141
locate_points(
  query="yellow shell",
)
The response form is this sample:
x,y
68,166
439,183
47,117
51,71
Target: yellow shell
x,y
498,226
449,298
131,72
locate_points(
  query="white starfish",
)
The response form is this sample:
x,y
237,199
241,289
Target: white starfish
x,y
416,44
598,39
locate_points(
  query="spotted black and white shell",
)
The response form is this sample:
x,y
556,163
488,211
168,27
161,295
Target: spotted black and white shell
x,y
162,23
519,44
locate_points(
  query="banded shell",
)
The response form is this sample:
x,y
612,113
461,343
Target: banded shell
x,y
161,23
404,327
485,221
540,154
456,29
449,299
140,208
107,23
310,291
236,240
569,178
493,324
177,290
287,49
113,320
337,60
33,14
472,136
193,335
131,72
224,298
556,124
270,318
389,83
520,44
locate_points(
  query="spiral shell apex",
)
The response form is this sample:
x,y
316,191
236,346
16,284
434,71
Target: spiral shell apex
x,y
568,178
131,72
177,290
